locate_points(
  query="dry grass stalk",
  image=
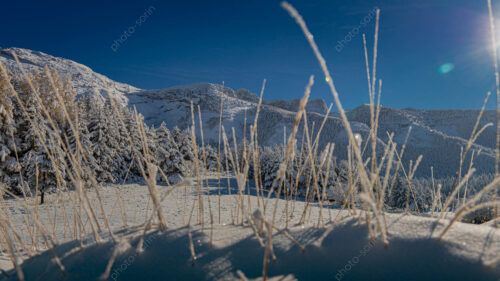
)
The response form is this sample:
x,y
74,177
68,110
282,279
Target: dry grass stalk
x,y
205,176
12,254
105,275
386,177
199,182
318,134
365,182
314,174
466,209
77,171
241,275
152,171
150,175
375,202
268,251
227,152
409,178
50,152
464,197
290,147
219,155
240,174
257,226
255,150
234,163
497,84
191,246
37,132
55,258
399,164
455,191
472,139
149,221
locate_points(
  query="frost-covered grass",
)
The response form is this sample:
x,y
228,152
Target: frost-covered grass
x,y
242,210
341,250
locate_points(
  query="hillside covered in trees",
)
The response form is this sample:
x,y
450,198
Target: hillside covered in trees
x,y
43,123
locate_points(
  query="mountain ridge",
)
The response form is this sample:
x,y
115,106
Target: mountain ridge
x,y
438,135
84,79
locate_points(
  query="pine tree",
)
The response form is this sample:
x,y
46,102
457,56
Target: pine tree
x,y
130,132
170,160
84,154
211,158
133,121
151,146
48,161
117,140
270,160
8,161
43,160
184,142
104,140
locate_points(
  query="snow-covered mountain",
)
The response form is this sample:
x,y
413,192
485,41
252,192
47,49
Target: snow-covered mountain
x,y
173,105
317,105
84,79
438,135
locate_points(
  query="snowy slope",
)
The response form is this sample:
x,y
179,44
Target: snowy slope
x,y
84,79
172,105
317,105
342,251
436,134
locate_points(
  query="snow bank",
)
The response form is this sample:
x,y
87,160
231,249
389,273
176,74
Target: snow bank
x,y
344,253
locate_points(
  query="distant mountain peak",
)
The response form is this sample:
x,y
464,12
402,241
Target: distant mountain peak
x,y
84,79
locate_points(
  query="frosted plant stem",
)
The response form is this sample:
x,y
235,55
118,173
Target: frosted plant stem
x,y
497,84
365,182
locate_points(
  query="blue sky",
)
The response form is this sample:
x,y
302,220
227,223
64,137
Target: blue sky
x,y
242,42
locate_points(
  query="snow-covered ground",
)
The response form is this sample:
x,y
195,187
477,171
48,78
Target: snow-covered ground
x,y
339,251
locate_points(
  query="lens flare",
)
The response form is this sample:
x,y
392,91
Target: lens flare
x,y
446,68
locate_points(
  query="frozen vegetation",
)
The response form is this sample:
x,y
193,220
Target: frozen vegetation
x,y
102,180
109,142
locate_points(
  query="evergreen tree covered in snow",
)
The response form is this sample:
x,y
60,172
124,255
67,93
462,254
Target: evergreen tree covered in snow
x,y
129,150
170,160
51,132
150,147
103,135
80,144
270,160
211,157
419,197
331,179
184,142
8,161
43,160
